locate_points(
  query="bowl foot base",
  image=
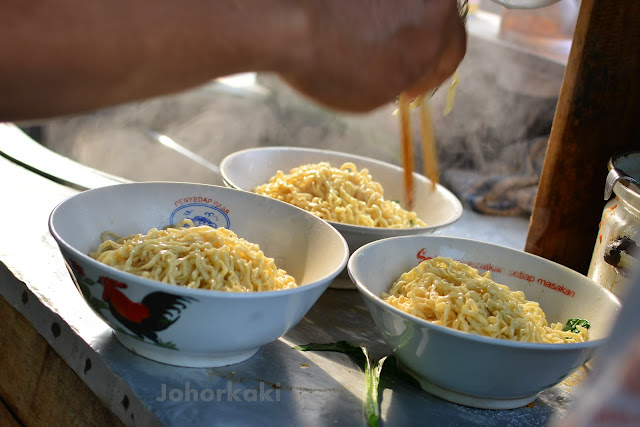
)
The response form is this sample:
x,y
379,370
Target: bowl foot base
x,y
470,400
182,358
342,281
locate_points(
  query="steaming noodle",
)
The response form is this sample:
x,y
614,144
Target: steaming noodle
x,y
195,257
452,294
428,142
427,138
346,195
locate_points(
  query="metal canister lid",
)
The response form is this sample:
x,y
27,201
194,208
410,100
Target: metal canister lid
x,y
625,169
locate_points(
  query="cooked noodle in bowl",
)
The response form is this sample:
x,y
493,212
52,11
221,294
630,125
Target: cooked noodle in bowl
x,y
342,194
241,274
200,257
480,324
453,294
367,217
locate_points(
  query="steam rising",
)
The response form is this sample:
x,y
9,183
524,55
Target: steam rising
x,y
505,99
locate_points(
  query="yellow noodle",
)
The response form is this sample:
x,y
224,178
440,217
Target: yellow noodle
x,y
406,148
429,150
427,137
343,195
455,295
196,257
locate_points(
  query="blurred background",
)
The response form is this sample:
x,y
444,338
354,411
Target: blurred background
x,y
490,147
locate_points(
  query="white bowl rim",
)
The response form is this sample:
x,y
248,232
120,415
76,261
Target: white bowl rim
x,y
458,205
467,335
154,284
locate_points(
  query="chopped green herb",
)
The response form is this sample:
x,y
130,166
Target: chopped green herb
x,y
411,222
572,324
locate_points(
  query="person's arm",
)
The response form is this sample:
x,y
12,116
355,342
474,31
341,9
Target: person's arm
x,y
64,56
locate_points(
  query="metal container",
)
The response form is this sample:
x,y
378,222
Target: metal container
x,y
616,250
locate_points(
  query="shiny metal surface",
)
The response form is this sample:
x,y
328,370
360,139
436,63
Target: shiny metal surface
x,y
623,167
613,177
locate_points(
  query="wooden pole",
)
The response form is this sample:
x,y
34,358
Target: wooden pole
x,y
598,115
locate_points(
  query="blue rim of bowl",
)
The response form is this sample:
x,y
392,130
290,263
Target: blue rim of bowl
x,y
201,292
466,335
355,158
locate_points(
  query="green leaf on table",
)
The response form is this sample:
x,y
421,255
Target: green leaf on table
x,y
372,372
339,346
372,377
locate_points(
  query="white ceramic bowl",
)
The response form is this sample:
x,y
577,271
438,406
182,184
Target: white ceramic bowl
x,y
472,370
211,328
250,168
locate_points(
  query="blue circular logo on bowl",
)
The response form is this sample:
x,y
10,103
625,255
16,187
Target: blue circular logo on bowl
x,y
201,214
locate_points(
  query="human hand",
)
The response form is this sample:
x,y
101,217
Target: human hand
x,y
364,53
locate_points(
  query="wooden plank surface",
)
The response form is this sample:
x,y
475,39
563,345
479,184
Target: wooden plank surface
x,y
7,417
38,388
597,116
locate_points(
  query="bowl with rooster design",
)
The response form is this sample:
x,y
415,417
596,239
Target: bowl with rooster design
x,y
195,327
468,368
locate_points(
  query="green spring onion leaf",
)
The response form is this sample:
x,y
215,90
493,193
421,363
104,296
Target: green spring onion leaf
x,y
572,324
